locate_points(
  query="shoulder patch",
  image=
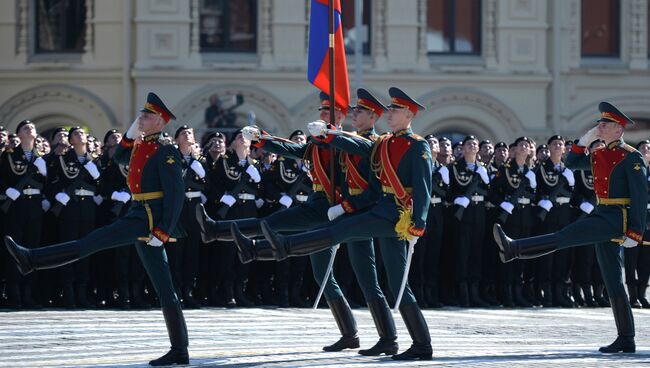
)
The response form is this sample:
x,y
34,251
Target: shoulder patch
x,y
417,137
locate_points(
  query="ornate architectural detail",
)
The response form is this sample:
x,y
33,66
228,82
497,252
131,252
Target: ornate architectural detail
x,y
574,39
195,46
638,35
95,110
422,34
89,44
21,31
489,32
266,39
378,36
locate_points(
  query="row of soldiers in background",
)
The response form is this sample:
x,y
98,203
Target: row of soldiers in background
x,y
62,193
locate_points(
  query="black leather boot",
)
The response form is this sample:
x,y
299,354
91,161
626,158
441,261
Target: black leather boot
x,y
520,300
137,300
590,302
633,292
506,296
188,299
212,230
560,299
52,256
296,245
347,325
488,294
475,299
433,298
122,301
28,298
385,324
419,331
642,299
599,296
525,248
624,326
249,250
547,295
81,292
577,295
240,296
177,331
14,300
463,295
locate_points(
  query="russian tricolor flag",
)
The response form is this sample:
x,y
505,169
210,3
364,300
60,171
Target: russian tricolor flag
x,y
318,63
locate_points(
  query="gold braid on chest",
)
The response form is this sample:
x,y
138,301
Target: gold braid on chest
x,y
70,172
589,182
16,169
284,176
124,170
375,160
459,179
230,175
550,179
514,182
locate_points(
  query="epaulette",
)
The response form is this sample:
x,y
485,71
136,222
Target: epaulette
x,y
280,158
39,154
417,137
628,148
9,150
225,155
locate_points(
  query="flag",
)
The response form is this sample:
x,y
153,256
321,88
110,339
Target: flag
x,y
318,65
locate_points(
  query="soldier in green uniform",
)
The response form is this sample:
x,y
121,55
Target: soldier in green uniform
x,y
155,181
619,218
401,163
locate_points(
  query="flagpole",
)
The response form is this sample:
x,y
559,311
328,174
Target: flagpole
x,y
332,100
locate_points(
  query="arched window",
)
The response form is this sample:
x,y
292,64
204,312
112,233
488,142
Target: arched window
x,y
60,26
454,27
601,28
228,25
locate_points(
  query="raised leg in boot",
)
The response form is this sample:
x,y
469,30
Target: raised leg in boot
x,y
347,325
296,245
249,250
526,248
212,230
53,256
385,325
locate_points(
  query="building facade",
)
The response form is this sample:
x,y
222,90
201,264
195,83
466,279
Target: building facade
x,y
494,68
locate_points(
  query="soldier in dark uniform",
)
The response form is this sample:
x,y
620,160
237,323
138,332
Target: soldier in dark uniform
x,y
402,164
485,152
513,190
584,273
637,259
426,259
184,254
447,253
155,180
555,186
74,180
289,185
238,177
620,183
468,189
24,174
491,264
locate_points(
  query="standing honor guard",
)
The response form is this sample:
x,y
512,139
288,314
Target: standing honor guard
x,y
156,183
620,182
401,163
24,173
468,189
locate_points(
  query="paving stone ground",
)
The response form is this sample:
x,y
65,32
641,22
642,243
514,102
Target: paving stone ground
x,y
261,337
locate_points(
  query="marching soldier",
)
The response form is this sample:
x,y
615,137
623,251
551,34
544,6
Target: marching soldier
x,y
468,189
184,254
619,175
74,180
584,273
513,190
155,180
402,164
555,186
24,174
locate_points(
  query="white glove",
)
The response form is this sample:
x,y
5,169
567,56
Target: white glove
x,y
590,136
545,204
462,201
12,193
45,205
251,133
629,242
253,173
63,198
134,131
531,179
154,242
568,174
335,211
198,168
317,128
228,200
41,166
507,206
116,196
259,202
203,198
586,207
92,169
444,173
286,201
484,175
98,199
413,241
120,196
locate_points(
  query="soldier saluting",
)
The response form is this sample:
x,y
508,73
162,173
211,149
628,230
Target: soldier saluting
x,y
155,179
619,219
